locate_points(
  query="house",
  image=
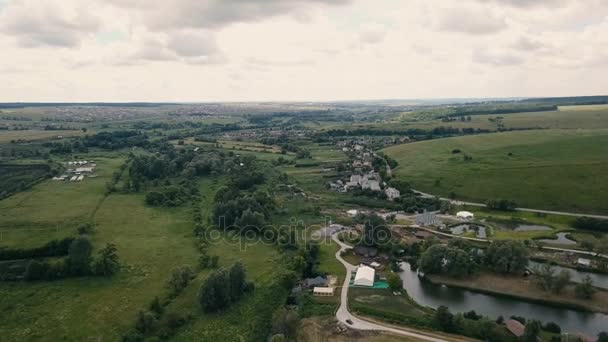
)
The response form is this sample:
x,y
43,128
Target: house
x,y
355,179
323,291
465,215
427,219
365,276
392,193
358,147
515,327
317,281
584,262
375,264
352,212
370,184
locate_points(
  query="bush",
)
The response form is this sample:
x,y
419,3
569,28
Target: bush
x,y
51,249
590,223
552,328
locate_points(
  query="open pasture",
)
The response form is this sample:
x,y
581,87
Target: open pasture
x,y
545,169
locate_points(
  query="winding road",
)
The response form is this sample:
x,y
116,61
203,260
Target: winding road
x,y
343,315
474,204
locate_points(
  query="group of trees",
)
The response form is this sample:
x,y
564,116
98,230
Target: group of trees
x,y
590,223
223,288
460,258
79,262
448,260
52,248
469,324
548,280
501,204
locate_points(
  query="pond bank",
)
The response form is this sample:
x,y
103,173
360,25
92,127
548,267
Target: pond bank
x,y
524,289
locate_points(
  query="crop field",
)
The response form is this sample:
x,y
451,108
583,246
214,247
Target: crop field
x,y
30,135
548,169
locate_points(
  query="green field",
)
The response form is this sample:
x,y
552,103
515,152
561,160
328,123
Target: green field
x,y
548,169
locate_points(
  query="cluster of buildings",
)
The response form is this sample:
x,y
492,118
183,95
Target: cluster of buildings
x,y
77,170
369,181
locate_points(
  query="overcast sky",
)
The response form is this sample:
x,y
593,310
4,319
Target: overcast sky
x,y
248,50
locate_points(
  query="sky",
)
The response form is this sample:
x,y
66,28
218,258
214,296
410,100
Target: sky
x,y
300,50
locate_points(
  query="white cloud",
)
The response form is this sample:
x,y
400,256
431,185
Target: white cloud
x,y
187,50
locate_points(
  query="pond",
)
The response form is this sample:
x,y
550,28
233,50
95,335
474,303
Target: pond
x,y
562,239
480,232
531,228
599,279
460,300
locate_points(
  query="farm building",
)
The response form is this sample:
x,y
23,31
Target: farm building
x,y
84,170
80,178
365,276
465,215
323,291
427,219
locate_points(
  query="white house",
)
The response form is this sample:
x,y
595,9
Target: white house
x,y
352,212
584,262
392,193
465,215
365,276
370,184
323,291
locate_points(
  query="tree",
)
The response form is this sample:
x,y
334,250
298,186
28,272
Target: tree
x,y
36,270
107,263
285,322
531,332
394,282
561,281
277,338
251,220
79,256
545,276
156,307
237,278
375,233
180,278
214,293
507,256
145,322
585,289
444,319
602,337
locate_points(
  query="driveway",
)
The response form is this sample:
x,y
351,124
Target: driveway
x,y
343,314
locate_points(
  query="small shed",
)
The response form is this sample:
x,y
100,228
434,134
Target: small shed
x,y
584,262
515,327
317,281
323,291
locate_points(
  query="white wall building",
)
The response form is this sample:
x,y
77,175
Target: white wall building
x,y
365,276
465,215
323,291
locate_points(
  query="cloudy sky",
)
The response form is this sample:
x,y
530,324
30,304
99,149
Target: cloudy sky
x,y
248,50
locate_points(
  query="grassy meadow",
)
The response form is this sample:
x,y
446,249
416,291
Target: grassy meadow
x,y
545,169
